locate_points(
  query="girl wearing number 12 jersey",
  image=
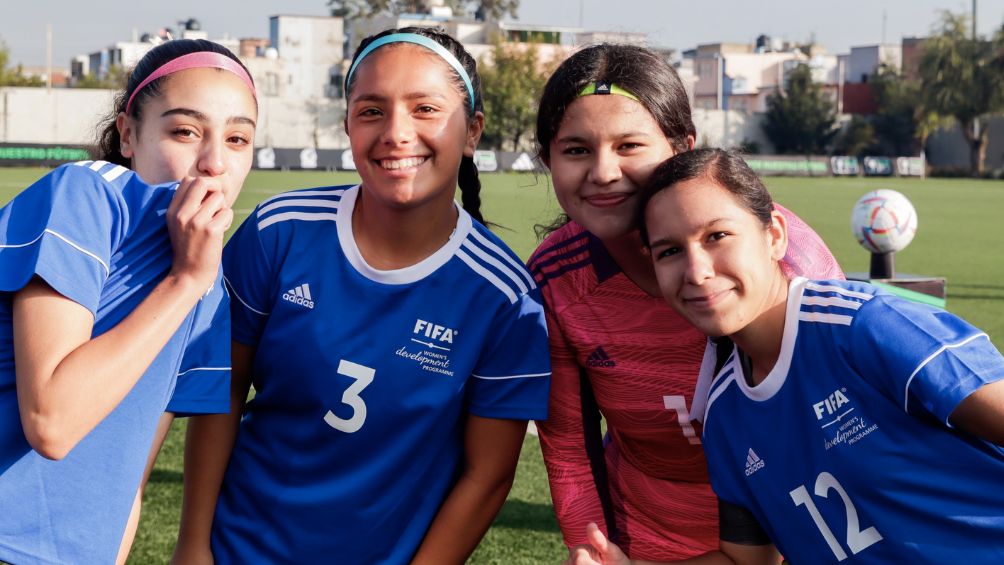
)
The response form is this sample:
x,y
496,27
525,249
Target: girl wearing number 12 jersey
x,y
608,116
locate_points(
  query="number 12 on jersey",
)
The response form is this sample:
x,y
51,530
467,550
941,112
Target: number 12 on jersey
x,y
857,539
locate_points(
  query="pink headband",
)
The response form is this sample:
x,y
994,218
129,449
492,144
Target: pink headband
x,y
197,60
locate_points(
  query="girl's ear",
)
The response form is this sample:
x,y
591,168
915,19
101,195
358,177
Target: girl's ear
x,y
475,127
127,134
777,234
691,142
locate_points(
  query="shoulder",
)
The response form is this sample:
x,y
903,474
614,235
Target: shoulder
x,y
562,264
833,301
308,204
98,172
86,180
495,263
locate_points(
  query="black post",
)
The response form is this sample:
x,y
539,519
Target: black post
x,y
883,265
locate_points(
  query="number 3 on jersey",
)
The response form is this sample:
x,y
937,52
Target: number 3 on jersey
x,y
363,376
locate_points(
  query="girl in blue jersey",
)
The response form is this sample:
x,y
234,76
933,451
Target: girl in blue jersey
x,y
110,293
851,425
396,346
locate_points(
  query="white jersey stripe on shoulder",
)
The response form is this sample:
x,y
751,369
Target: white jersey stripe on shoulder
x,y
718,392
302,193
520,269
529,376
830,301
65,240
234,292
942,349
83,163
97,165
204,369
305,216
484,256
306,203
839,290
114,173
825,318
488,275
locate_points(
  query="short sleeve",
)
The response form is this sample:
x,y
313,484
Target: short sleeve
x,y
247,274
513,375
64,228
922,355
203,385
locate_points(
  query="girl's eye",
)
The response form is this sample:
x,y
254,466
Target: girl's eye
x,y
369,112
425,109
238,140
629,146
574,151
184,132
717,236
667,252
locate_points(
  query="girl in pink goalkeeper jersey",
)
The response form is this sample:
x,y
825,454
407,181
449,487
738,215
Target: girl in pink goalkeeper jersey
x,y
608,116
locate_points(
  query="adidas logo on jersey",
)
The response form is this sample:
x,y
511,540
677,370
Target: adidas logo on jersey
x,y
434,331
299,295
753,463
599,358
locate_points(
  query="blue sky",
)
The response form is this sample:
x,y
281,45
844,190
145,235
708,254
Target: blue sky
x,y
81,27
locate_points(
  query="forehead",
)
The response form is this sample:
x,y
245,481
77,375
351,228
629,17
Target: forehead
x,y
403,66
606,114
207,89
693,201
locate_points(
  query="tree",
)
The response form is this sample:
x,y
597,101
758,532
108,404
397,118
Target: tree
x,y
15,76
800,120
856,139
960,80
115,79
899,111
485,9
511,84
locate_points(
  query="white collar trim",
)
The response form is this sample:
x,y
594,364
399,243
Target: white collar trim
x,y
406,275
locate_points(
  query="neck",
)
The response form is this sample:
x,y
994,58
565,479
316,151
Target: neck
x,y
390,238
761,338
629,253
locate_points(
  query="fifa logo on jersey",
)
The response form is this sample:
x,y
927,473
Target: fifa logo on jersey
x,y
434,331
830,404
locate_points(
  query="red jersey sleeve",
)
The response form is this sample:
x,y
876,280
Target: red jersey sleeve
x,y
572,445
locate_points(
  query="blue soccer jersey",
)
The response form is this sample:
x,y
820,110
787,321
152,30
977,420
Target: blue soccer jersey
x,y
362,379
844,452
96,234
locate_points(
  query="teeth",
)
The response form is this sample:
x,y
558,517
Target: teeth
x,y
394,164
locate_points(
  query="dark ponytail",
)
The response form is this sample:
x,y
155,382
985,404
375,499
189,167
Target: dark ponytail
x,y
470,188
467,180
109,146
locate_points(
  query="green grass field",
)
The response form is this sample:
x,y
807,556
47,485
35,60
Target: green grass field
x,y
959,237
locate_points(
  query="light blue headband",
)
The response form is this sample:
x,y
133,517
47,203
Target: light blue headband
x,y
417,40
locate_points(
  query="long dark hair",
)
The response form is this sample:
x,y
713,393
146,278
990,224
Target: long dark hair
x,y
109,141
470,184
640,71
725,168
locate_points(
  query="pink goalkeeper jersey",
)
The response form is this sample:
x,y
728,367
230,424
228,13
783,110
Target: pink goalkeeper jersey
x,y
616,350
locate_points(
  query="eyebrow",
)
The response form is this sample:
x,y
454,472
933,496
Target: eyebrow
x,y
580,139
410,96
669,241
204,118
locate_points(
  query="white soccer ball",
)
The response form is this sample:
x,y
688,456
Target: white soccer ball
x,y
884,221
